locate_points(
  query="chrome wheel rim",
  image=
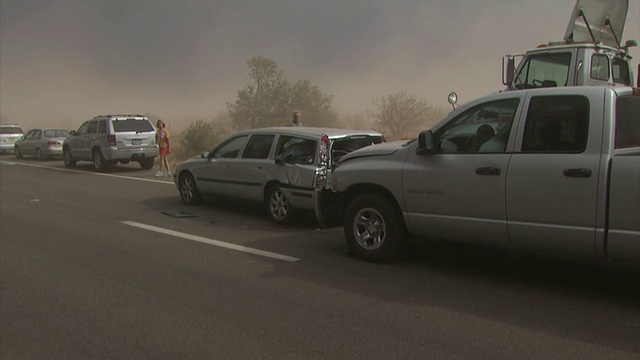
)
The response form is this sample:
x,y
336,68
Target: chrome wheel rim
x,y
186,188
369,229
278,205
97,161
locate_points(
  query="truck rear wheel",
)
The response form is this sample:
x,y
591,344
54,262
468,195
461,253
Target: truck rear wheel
x,y
147,163
98,161
68,159
374,228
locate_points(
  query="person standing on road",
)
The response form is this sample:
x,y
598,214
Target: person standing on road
x,y
296,119
162,138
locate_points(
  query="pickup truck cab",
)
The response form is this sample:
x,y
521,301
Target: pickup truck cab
x,y
554,169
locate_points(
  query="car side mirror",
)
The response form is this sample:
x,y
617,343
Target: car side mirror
x,y
73,132
205,155
425,142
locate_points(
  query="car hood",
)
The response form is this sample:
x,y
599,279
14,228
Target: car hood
x,y
382,149
189,162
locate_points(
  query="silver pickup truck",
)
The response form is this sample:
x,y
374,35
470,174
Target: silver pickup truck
x,y
554,169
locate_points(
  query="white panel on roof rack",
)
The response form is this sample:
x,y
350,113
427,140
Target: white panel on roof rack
x,y
606,20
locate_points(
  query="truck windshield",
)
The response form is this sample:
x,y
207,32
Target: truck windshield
x,y
543,70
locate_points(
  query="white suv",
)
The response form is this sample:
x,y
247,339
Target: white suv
x,y
108,139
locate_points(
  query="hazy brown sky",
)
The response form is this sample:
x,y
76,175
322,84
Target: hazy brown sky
x,y
64,61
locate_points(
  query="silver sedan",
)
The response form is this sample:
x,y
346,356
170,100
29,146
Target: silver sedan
x,y
41,143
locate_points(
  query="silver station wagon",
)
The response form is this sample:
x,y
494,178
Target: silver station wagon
x,y
280,167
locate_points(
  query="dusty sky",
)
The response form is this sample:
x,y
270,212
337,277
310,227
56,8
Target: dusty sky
x,y
64,61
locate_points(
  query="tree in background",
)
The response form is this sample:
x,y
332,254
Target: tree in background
x,y
359,121
269,99
403,114
314,104
199,136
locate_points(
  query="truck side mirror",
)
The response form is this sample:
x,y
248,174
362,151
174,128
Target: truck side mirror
x,y
511,71
425,142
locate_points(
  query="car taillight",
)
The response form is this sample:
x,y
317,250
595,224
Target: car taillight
x,y
53,143
324,149
111,139
320,177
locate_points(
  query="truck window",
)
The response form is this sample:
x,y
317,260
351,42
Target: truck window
x,y
621,73
483,128
600,67
93,127
544,70
132,125
627,122
556,124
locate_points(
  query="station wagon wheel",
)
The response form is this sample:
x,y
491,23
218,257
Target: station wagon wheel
x,y
374,228
17,152
189,189
68,159
98,161
278,206
39,156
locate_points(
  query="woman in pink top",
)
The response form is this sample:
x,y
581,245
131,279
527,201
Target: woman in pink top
x,y
162,138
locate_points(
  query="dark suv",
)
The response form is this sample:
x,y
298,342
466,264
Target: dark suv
x,y
108,139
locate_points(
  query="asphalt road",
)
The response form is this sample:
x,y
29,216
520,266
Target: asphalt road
x,y
91,268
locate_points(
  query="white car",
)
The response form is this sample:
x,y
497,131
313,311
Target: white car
x,y
280,167
9,134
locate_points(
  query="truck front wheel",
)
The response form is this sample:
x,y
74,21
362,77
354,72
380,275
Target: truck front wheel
x,y
374,228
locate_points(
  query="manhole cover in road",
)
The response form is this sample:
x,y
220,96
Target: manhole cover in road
x,y
178,213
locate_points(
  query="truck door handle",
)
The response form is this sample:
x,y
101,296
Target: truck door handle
x,y
577,172
487,171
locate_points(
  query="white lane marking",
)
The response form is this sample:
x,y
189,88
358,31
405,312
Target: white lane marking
x,y
170,180
218,243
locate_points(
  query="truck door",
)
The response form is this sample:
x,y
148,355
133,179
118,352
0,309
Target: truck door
x,y
458,192
552,180
79,143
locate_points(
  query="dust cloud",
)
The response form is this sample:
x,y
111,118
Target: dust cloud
x,y
64,61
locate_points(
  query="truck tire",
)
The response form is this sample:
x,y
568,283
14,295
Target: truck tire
x,y
68,159
98,161
374,228
147,163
